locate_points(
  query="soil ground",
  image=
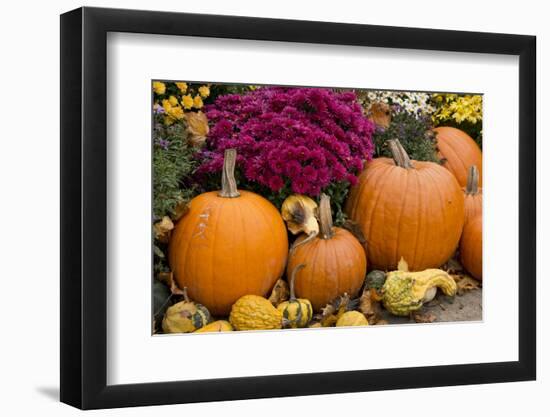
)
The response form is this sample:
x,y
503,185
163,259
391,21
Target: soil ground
x,y
464,307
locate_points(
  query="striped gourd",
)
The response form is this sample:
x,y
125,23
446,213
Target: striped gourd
x,y
297,312
185,316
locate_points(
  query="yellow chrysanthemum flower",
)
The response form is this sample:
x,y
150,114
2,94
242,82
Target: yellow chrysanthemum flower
x,y
182,87
197,102
159,87
187,101
459,108
204,91
176,113
166,105
173,100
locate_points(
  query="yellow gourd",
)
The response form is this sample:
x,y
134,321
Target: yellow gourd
x,y
252,312
352,318
297,312
185,316
405,292
217,326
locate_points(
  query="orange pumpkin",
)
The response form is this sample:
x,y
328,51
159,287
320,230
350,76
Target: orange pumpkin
x,y
408,209
458,152
229,244
335,262
471,248
472,195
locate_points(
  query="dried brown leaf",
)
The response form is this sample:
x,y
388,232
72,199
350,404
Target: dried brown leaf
x,y
166,278
336,308
163,229
197,126
180,210
424,317
380,114
279,293
329,321
465,283
175,289
355,230
452,266
369,306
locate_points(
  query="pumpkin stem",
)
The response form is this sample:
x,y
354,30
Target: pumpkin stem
x,y
473,180
309,237
229,185
185,296
400,156
325,217
292,295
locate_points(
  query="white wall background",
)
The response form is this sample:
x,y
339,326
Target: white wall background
x,y
29,177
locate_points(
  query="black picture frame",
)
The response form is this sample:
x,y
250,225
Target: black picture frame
x,y
84,207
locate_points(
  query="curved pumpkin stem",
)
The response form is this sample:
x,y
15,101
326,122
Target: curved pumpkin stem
x,y
473,180
229,185
400,156
292,295
325,217
309,238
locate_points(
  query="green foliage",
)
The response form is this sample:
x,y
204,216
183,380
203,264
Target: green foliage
x,y
173,165
414,133
217,90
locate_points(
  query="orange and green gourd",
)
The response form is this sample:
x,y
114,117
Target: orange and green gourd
x,y
405,292
297,312
185,316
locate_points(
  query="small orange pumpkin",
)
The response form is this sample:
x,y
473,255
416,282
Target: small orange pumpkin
x,y
228,244
458,151
471,247
336,262
408,209
472,195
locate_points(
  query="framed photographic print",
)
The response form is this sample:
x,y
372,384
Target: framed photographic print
x,y
314,207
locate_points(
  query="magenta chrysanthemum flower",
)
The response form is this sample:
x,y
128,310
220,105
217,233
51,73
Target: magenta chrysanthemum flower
x,y
307,138
275,183
310,174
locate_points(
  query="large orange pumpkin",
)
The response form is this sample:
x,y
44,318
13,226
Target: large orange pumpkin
x,y
408,209
472,195
335,262
471,247
459,152
229,244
